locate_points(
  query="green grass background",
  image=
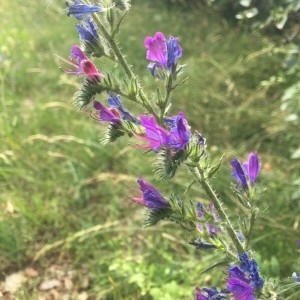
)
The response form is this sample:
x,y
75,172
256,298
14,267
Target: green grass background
x,y
56,178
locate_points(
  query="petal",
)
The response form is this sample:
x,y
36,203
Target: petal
x,y
240,289
156,48
253,167
239,173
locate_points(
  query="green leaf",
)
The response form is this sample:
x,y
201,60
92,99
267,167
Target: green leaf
x,y
222,263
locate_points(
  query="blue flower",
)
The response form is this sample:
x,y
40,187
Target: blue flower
x,y
79,10
179,132
251,268
87,30
115,101
210,294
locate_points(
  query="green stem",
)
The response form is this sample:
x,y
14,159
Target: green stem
x,y
164,103
199,175
122,61
249,233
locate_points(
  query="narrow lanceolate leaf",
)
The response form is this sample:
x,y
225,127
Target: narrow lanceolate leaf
x,y
213,170
155,215
214,266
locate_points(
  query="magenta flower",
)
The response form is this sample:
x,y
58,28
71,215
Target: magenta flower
x,y
82,65
162,53
176,138
150,197
246,173
155,135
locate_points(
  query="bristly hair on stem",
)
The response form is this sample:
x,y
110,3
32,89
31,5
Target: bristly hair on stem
x,y
85,94
167,162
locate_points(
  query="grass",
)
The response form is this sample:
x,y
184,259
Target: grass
x,y
57,181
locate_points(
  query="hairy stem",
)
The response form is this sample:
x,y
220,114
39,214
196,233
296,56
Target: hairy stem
x,y
122,61
200,177
249,233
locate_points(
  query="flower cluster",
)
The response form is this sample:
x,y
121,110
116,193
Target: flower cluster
x,y
245,279
242,282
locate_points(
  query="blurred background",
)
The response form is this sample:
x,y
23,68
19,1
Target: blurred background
x,y
67,227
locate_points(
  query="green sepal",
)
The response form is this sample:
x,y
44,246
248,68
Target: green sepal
x,y
94,48
132,88
195,150
86,93
183,212
155,215
168,162
111,84
242,197
113,132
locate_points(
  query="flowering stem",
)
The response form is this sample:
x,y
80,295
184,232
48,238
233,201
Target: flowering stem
x,y
200,177
252,220
122,61
164,103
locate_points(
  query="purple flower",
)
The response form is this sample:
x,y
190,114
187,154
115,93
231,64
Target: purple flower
x,y
87,30
246,173
79,10
151,197
177,138
162,53
115,101
82,65
245,279
155,135
179,132
252,167
240,289
106,114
